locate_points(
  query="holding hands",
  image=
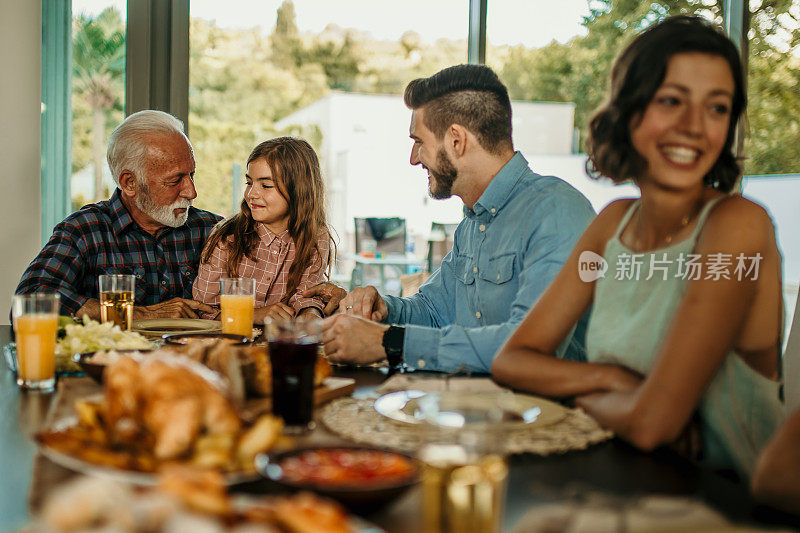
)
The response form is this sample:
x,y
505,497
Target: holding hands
x,y
354,334
277,310
365,302
330,293
353,339
173,308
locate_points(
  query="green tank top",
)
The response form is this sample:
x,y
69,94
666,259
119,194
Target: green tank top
x,y
630,318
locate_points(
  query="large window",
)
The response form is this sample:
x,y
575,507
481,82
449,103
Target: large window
x,y
771,147
98,93
333,73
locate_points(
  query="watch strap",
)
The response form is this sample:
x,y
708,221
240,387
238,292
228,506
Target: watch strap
x,y
393,340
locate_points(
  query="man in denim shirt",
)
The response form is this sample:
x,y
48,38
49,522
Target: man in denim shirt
x,y
519,228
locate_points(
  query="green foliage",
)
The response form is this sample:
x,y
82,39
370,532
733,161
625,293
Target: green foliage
x,y
578,71
243,81
98,74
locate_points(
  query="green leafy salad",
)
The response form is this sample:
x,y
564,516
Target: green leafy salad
x,y
91,336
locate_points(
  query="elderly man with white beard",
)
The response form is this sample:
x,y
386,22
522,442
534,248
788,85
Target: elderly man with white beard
x,y
147,228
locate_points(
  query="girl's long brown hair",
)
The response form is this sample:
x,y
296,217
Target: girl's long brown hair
x,y
296,172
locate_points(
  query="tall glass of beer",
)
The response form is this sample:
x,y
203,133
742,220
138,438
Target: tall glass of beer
x,y
465,472
237,298
117,294
35,324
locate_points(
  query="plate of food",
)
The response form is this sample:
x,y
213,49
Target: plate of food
x,y
186,499
516,410
92,336
75,337
359,477
185,338
94,364
155,411
158,327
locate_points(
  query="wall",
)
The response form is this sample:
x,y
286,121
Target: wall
x,y
20,113
365,157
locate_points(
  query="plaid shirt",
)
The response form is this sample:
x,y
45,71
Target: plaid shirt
x,y
102,238
274,255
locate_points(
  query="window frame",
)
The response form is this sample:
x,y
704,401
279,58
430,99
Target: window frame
x,y
157,76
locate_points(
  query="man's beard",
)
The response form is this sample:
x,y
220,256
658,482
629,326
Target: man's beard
x,y
442,179
163,214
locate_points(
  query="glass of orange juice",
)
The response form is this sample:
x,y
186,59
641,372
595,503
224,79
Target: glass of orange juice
x,y
35,323
237,298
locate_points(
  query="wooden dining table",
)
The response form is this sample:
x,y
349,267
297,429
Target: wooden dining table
x,y
611,468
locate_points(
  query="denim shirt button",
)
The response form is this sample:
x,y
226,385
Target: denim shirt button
x,y
482,227
478,314
421,363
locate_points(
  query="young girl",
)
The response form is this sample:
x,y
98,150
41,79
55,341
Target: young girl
x,y
688,314
280,237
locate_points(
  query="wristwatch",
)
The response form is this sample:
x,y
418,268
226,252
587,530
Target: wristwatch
x,y
393,346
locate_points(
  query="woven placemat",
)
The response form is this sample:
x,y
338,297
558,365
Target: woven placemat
x,y
357,420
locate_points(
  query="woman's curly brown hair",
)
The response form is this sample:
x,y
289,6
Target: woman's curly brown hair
x,y
636,75
296,172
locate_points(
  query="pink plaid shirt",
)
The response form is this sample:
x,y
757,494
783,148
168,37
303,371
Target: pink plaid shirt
x,y
274,255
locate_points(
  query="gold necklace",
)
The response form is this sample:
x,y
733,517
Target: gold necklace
x,y
684,222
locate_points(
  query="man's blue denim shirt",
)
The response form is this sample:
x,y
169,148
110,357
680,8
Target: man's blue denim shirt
x,y
506,251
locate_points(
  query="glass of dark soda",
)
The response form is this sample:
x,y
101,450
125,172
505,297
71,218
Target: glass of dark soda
x,y
293,347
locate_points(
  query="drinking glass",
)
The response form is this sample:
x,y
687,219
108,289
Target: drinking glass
x,y
465,472
117,294
35,324
237,298
293,347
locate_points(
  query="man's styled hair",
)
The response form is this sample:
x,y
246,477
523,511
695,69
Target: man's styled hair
x,y
127,147
470,95
637,74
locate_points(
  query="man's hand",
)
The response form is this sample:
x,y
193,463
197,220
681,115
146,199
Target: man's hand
x,y
278,310
365,302
352,339
90,308
174,308
331,294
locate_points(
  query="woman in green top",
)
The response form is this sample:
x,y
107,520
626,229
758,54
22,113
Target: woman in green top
x,y
688,315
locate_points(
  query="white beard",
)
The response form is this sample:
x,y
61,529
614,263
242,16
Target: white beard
x,y
163,214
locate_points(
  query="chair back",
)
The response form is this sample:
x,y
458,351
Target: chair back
x,y
440,242
389,234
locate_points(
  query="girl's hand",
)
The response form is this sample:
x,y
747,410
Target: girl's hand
x,y
310,312
278,310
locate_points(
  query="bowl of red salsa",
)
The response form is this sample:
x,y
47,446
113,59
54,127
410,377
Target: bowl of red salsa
x,y
359,477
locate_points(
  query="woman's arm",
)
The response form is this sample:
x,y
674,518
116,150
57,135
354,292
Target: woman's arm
x,y
707,324
527,362
775,480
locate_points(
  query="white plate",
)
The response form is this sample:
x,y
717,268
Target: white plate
x,y
156,327
126,476
523,410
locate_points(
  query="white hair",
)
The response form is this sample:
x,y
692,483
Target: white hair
x,y
127,147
